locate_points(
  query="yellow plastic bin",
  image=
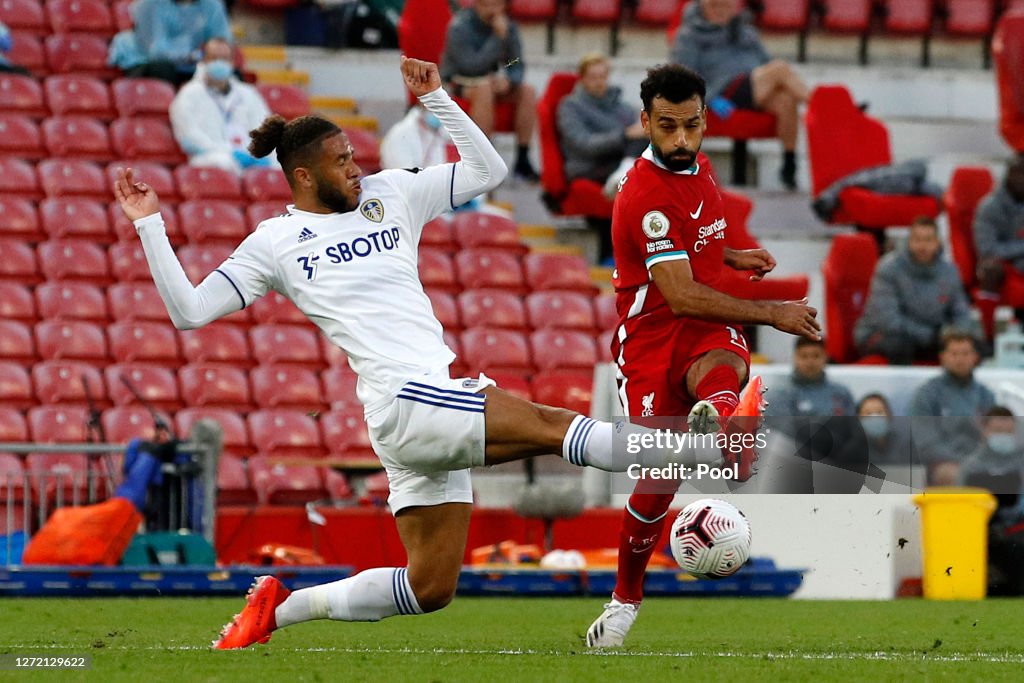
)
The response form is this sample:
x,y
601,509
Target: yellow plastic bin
x,y
954,528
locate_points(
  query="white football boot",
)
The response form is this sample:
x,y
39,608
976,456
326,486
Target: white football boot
x,y
610,629
703,418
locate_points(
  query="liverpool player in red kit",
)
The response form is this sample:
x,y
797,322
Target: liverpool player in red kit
x,y
679,346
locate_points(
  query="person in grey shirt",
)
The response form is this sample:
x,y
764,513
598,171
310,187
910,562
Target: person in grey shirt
x,y
945,410
718,41
809,392
483,62
915,295
999,239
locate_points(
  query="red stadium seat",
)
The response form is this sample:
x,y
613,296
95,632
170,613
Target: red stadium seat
x,y
70,339
146,139
258,212
19,220
338,487
57,424
73,178
124,423
285,386
18,179
153,174
831,115
20,137
1008,51
849,16
596,11
15,390
287,100
657,13
196,182
285,432
18,262
21,95
216,344
847,272
281,484
560,309
12,423
969,18
233,487
340,389
74,260
213,221
565,389
437,234
65,381
128,262
517,385
476,229
333,356
215,386
492,308
124,230
63,477
12,482
71,94
607,314
78,53
16,342
75,217
144,342
289,344
346,436
236,433
436,270
27,51
76,137
787,16
581,197
563,349
275,308
445,309
497,268
142,97
158,386
90,17
266,184
491,350
71,301
136,301
558,271
16,303
533,10
366,149
967,187
26,16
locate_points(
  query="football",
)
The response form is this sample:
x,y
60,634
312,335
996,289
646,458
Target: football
x,y
710,539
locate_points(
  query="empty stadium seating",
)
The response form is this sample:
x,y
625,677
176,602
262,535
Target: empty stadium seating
x,y
560,309
201,182
77,218
68,382
215,386
74,259
492,308
16,302
136,301
233,427
285,386
19,220
488,267
73,94
144,341
135,97
496,350
20,136
288,344
216,344
157,386
285,432
286,100
279,483
345,436
21,95
71,301
70,339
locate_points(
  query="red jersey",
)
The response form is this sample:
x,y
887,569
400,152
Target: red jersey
x,y
661,216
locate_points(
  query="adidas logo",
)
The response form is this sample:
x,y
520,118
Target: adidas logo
x,y
305,235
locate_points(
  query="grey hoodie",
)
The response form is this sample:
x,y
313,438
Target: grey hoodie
x,y
914,299
949,407
718,53
999,228
592,132
472,49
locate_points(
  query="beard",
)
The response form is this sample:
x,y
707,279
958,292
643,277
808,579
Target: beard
x,y
333,198
677,161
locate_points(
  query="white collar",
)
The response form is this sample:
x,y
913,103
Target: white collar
x,y
649,155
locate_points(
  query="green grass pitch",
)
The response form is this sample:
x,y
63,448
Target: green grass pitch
x,y
532,639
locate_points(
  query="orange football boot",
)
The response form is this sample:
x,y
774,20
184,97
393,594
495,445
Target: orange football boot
x,y
256,622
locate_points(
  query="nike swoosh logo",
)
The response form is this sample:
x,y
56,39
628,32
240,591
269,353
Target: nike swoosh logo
x,y
696,214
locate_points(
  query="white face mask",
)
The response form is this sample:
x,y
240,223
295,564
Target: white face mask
x,y
1003,444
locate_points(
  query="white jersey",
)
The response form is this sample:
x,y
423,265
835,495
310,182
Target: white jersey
x,y
355,275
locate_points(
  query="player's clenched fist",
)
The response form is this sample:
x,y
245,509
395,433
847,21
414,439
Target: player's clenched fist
x,y
420,77
796,317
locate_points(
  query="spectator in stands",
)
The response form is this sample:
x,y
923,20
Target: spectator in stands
x,y
6,66
809,392
171,33
483,62
915,295
999,239
718,41
945,409
888,437
213,113
998,465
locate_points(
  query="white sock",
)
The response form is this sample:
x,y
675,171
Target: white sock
x,y
370,595
603,445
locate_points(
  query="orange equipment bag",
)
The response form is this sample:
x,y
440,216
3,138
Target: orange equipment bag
x,y
87,534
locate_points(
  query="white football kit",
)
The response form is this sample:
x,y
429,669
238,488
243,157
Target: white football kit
x,y
355,276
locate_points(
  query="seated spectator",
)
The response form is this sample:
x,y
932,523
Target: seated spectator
x,y
888,437
945,410
809,392
6,66
482,61
999,239
170,35
718,41
213,113
998,465
915,295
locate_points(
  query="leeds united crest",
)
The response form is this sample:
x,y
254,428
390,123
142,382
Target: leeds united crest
x,y
373,209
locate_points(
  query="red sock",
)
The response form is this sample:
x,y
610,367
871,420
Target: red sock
x,y
643,521
987,302
721,388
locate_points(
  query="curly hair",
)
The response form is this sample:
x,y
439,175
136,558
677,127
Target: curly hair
x,y
673,82
297,141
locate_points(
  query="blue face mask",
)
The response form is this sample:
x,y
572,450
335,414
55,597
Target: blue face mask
x,y
219,69
431,121
1003,444
875,426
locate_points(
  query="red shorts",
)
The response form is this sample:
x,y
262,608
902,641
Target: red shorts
x,y
654,360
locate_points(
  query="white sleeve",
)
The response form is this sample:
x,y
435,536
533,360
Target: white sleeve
x,y
480,169
220,294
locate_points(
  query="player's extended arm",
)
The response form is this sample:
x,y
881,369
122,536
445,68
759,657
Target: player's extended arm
x,y
188,306
689,298
481,168
757,260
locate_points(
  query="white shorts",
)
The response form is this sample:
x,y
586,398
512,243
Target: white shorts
x,y
429,437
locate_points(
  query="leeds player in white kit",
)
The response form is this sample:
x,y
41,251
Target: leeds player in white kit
x,y
346,254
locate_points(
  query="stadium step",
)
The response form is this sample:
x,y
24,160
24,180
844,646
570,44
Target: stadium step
x,y
282,77
331,105
601,276
355,121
